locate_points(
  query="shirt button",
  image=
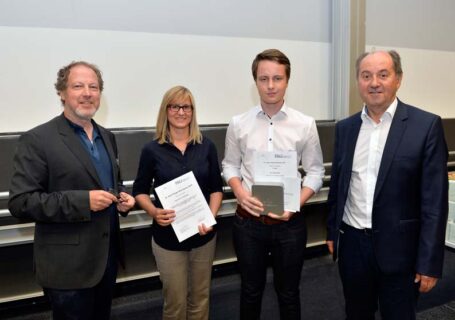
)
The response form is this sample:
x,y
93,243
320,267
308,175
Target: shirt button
x,y
270,139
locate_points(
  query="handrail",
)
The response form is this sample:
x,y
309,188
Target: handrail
x,y
129,183
4,213
137,219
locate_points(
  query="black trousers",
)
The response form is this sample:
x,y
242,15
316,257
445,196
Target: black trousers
x,y
365,286
285,242
85,304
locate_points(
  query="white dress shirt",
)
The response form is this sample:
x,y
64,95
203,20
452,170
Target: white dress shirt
x,y
365,167
287,130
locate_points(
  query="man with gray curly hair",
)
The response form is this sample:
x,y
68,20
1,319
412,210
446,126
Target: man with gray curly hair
x,y
66,179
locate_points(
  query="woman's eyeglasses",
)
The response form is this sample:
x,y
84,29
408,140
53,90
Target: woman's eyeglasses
x,y
176,108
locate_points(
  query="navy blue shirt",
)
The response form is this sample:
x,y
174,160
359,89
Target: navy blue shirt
x,y
102,163
98,154
161,163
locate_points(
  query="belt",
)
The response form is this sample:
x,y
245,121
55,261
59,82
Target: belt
x,y
262,219
364,231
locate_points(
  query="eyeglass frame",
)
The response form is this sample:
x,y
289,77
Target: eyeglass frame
x,y
175,108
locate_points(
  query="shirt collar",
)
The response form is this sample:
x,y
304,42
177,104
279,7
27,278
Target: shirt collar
x,y
390,112
80,130
284,110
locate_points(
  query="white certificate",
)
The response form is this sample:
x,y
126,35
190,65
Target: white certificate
x,y
268,164
184,195
291,193
279,166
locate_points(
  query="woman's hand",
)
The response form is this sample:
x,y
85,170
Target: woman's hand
x,y
203,230
163,217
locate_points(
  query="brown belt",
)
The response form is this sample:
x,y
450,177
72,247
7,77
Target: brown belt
x,y
263,219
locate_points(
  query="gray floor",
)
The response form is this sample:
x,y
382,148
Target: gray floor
x,y
321,297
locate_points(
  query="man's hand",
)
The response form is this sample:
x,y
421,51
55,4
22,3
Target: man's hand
x,y
125,202
244,198
285,216
100,199
250,204
330,246
426,283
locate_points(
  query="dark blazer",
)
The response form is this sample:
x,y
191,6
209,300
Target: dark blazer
x,y
53,174
410,203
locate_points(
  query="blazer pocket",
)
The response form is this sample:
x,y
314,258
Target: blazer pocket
x,y
405,164
58,238
409,225
404,158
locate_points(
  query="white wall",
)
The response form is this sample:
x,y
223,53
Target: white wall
x,y
145,47
302,20
422,32
139,67
428,79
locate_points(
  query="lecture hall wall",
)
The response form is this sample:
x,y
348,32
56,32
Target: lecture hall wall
x,y
145,47
422,32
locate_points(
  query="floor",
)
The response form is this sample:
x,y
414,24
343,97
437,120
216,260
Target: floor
x,y
321,296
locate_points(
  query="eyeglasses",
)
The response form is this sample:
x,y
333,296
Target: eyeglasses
x,y
176,108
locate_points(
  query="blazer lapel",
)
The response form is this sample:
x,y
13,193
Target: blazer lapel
x,y
397,129
353,134
75,146
349,145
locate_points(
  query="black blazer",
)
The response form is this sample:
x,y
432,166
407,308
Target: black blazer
x,y
410,203
53,174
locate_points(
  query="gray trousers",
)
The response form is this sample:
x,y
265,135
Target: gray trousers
x,y
186,279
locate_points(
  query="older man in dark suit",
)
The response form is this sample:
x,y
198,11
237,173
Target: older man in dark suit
x,y
388,196
66,179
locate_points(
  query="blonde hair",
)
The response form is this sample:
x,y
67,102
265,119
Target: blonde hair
x,y
162,124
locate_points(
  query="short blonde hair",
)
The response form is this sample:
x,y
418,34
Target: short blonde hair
x,y
162,125
271,55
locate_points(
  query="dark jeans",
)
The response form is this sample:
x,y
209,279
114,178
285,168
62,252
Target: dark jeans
x,y
285,242
85,304
364,284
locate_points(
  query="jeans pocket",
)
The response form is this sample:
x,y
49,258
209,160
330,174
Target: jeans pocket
x,y
240,221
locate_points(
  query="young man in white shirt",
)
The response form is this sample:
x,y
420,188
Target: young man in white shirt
x,y
271,126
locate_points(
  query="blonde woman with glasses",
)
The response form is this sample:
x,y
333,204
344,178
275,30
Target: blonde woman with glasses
x,y
179,147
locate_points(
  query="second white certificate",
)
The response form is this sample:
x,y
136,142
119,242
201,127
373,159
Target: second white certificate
x,y
184,195
279,166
